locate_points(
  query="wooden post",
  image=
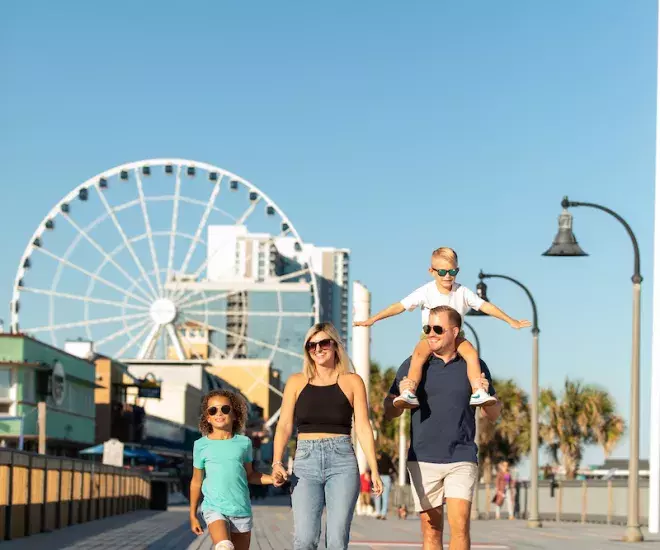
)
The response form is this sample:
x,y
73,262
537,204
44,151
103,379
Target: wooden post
x,y
41,411
584,502
610,501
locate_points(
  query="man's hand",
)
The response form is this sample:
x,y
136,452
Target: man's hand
x,y
485,384
408,384
520,324
366,323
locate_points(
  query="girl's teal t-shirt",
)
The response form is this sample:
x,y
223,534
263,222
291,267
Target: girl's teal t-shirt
x,y
225,486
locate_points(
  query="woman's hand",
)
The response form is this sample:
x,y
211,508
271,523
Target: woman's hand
x,y
377,484
195,526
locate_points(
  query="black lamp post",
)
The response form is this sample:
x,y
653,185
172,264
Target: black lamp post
x,y
481,292
533,519
565,244
475,498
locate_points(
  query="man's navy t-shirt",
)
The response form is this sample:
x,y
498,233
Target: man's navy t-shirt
x,y
442,428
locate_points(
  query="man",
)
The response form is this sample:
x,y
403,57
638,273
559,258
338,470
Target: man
x,y
442,459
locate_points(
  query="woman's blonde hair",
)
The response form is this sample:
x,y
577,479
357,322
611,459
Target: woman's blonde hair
x,y
342,361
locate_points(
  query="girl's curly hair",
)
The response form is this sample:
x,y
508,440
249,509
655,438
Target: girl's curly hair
x,y
238,409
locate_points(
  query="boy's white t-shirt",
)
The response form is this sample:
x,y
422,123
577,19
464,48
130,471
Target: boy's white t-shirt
x,y
461,298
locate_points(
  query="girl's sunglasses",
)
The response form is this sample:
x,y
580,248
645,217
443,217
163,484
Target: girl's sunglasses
x,y
443,272
436,328
225,409
325,344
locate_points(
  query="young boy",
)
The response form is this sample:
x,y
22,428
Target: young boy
x,y
443,290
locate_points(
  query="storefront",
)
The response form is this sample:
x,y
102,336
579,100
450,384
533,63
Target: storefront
x,y
32,371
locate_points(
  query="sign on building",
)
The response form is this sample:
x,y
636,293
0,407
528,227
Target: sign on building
x,y
113,453
149,387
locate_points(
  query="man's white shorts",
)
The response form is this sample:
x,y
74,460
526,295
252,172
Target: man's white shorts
x,y
432,483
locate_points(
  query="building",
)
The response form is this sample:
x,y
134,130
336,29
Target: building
x,y
331,267
32,371
235,255
255,378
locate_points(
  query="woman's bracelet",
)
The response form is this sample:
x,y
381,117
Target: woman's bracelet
x,y
277,464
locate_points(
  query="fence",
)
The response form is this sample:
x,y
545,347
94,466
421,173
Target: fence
x,y
41,493
592,501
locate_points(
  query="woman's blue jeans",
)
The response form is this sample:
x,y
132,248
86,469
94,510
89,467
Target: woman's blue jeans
x,y
382,501
325,473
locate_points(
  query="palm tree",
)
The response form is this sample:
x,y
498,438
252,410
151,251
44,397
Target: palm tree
x,y
509,438
584,415
387,430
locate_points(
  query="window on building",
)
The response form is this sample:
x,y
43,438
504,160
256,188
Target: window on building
x,y
5,383
4,408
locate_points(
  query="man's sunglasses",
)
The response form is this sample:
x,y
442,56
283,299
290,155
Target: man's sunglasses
x,y
443,272
225,409
326,343
436,328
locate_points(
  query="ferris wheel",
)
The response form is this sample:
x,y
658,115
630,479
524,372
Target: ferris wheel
x,y
168,259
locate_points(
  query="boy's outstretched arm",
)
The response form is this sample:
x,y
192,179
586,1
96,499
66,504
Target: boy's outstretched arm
x,y
496,312
389,311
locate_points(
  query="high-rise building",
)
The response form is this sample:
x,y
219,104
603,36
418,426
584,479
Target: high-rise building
x,y
331,266
236,255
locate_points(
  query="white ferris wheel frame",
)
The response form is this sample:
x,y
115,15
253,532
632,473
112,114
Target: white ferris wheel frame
x,y
135,288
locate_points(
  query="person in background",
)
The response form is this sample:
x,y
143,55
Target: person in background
x,y
387,473
365,494
504,489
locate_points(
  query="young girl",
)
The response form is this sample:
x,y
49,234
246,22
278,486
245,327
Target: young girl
x,y
222,459
443,290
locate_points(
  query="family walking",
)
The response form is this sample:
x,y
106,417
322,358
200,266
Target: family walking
x,y
441,382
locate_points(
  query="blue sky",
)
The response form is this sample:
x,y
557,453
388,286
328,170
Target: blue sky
x,y
385,130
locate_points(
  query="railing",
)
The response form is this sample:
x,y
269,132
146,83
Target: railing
x,y
42,493
592,501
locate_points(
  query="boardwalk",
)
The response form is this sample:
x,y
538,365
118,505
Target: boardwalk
x,y
147,530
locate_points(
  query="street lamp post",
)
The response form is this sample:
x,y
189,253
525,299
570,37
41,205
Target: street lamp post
x,y
565,244
475,498
533,519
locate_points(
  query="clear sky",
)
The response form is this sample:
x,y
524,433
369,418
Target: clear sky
x,y
386,128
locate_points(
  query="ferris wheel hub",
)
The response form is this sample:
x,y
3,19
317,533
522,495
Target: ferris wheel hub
x,y
163,311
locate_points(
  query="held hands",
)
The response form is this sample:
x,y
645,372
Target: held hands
x,y
280,475
195,527
520,324
366,323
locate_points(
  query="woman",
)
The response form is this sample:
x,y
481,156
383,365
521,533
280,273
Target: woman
x,y
321,403
504,489
387,473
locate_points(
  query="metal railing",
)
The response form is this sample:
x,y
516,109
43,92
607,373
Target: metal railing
x,y
589,501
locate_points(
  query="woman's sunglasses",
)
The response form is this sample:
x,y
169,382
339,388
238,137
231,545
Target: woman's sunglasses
x,y
225,409
436,328
324,344
443,272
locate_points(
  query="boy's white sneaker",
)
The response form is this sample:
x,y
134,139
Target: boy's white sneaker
x,y
481,399
407,400
224,545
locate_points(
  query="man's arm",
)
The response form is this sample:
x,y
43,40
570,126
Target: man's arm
x,y
391,411
492,412
399,384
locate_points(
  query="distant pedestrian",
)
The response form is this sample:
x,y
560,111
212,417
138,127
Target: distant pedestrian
x,y
387,473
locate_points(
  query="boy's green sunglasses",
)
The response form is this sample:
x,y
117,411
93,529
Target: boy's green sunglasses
x,y
443,272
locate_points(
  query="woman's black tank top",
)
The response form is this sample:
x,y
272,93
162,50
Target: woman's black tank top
x,y
323,409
